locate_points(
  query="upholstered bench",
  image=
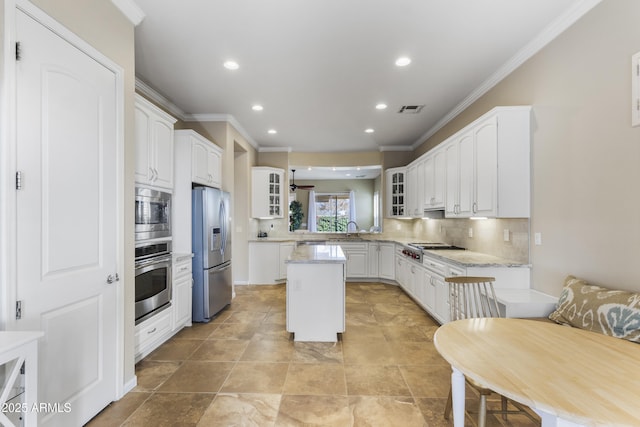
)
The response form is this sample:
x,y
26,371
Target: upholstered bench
x,y
594,308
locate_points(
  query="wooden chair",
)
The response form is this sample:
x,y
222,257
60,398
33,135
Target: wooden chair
x,y
473,297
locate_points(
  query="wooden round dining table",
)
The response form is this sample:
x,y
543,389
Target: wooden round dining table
x,y
568,376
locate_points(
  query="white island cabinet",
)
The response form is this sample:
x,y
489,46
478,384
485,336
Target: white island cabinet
x,y
316,293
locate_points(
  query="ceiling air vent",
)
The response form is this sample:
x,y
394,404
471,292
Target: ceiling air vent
x,y
410,109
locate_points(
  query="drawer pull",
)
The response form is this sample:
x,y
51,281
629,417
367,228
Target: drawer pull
x,y
151,331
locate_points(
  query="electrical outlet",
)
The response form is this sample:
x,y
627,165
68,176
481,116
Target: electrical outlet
x,y
505,234
470,232
538,239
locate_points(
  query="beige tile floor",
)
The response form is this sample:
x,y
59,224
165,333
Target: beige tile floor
x,y
242,369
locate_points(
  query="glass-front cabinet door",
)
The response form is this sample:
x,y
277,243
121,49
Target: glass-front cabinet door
x,y
267,198
396,192
275,208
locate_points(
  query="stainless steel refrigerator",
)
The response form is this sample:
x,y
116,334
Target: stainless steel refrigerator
x,y
211,240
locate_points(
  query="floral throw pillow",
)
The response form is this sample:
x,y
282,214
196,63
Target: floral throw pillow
x,y
606,311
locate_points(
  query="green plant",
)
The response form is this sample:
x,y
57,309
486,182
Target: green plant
x,y
295,215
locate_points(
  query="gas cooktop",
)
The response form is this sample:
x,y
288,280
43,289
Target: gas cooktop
x,y
434,245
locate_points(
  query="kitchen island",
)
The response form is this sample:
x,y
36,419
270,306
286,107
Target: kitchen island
x,y
316,292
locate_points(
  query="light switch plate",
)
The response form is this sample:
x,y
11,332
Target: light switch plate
x,y
538,239
505,234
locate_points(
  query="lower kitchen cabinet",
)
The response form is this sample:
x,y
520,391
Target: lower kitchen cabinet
x,y
153,332
157,329
182,291
382,260
266,262
357,258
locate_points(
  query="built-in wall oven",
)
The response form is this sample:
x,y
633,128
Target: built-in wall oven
x,y
153,214
153,278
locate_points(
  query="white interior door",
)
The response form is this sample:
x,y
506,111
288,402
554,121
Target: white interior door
x,y
67,224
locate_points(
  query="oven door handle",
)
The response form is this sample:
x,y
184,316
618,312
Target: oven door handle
x,y
151,261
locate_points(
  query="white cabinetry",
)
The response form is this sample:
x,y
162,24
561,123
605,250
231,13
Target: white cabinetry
x,y
386,264
267,262
190,148
316,301
152,332
205,158
395,192
267,186
357,255
264,263
414,189
182,295
382,260
488,166
154,145
434,179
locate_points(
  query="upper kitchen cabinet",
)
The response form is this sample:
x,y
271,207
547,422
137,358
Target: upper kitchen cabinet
x,y
206,158
434,179
154,145
414,189
395,179
267,192
488,166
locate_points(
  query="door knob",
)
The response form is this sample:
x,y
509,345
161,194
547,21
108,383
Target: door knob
x,y
113,278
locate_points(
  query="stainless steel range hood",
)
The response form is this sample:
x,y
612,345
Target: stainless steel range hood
x,y
433,213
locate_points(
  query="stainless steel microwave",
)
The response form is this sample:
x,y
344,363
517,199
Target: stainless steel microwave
x,y
153,214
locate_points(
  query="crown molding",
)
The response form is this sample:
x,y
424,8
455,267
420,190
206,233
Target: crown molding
x,y
222,118
155,96
549,33
130,10
395,148
159,99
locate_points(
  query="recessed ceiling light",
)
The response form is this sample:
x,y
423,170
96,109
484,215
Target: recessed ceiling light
x,y
257,107
231,65
403,61
272,131
381,106
369,130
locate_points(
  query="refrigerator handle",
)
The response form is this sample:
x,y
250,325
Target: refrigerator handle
x,y
223,226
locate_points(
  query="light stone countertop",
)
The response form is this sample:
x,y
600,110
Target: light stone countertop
x,y
466,258
463,258
179,257
317,254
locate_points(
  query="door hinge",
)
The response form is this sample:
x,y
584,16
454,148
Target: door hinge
x,y
18,180
18,309
18,51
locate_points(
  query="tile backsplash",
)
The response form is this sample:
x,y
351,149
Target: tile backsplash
x,y
487,234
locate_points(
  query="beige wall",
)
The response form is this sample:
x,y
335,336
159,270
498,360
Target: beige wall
x,y
104,27
584,151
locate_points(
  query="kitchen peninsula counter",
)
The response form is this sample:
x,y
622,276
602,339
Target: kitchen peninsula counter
x,y
316,293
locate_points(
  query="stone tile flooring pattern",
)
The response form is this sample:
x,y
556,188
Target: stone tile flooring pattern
x,y
243,369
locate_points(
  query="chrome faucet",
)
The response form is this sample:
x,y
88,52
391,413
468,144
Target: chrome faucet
x,y
354,223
